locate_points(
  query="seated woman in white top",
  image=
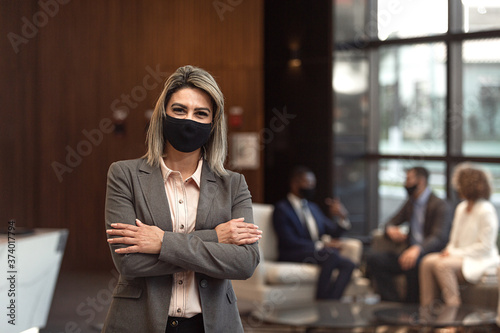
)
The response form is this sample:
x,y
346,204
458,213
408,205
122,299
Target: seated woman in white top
x,y
472,248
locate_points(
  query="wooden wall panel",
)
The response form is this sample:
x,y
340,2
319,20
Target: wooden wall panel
x,y
18,121
92,57
306,92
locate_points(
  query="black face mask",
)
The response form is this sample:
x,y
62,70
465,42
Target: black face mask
x,y
411,189
307,193
185,135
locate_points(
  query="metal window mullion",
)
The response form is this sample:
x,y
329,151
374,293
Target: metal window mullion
x,y
454,78
372,165
455,17
455,108
374,101
455,99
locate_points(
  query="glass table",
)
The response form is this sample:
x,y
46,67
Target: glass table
x,y
464,316
328,315
335,315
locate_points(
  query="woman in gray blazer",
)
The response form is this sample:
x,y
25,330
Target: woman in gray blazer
x,y
179,225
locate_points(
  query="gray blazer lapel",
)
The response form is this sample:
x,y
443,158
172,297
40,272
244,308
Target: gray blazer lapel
x,y
208,190
153,189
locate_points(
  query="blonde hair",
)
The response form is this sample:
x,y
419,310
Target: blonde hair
x,y
215,150
471,181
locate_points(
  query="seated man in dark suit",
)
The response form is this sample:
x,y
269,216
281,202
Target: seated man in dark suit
x,y
305,234
429,219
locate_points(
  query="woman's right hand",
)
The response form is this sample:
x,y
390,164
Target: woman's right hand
x,y
238,232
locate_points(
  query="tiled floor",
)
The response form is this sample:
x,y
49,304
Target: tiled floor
x,y
81,301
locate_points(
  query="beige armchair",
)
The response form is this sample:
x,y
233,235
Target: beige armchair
x,y
278,284
484,293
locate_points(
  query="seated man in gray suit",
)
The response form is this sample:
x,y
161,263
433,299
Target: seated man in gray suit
x,y
429,219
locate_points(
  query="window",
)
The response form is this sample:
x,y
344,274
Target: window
x,y
404,19
414,83
480,15
481,97
350,84
392,175
412,99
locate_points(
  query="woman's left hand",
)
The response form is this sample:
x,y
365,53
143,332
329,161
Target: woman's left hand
x,y
238,232
142,238
445,253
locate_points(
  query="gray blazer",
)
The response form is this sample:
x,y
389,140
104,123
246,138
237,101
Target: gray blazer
x,y
142,296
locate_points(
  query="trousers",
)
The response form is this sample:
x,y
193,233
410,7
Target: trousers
x,y
383,267
329,260
440,275
185,325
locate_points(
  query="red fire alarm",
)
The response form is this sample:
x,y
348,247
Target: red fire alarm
x,y
235,116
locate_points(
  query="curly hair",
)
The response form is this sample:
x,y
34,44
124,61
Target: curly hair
x,y
471,181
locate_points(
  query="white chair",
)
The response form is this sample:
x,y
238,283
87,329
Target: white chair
x,y
278,284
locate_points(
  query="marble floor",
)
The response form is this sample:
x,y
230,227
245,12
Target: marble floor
x,y
82,298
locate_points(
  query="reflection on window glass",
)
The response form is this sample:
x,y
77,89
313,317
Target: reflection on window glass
x,y
480,15
412,85
350,188
409,18
481,91
409,106
392,176
349,21
350,86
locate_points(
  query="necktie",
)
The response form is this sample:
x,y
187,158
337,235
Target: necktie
x,y
310,221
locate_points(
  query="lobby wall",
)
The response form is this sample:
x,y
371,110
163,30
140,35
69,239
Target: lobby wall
x,y
68,66
298,79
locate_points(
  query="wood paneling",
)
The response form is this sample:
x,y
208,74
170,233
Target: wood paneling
x,y
18,121
305,92
93,56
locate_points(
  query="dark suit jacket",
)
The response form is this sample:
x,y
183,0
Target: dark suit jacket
x,y
437,223
293,235
142,296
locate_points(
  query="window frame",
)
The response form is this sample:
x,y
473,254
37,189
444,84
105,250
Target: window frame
x,y
453,39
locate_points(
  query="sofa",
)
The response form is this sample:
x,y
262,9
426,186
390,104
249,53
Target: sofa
x,y
279,284
484,293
